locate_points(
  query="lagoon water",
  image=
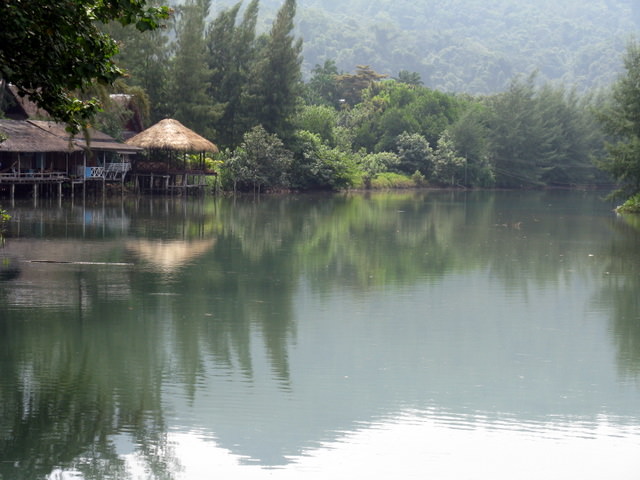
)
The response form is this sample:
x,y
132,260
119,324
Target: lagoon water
x,y
448,335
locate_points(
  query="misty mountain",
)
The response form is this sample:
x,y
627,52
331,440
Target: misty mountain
x,y
474,46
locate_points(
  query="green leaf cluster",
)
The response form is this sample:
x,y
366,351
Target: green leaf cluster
x,y
52,50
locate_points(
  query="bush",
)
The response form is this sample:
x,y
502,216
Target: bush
x,y
390,180
4,217
316,166
260,163
632,205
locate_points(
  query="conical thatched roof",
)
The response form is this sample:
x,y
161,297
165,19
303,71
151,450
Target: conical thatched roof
x,y
169,134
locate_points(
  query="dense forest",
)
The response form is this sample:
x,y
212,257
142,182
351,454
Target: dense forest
x,y
471,46
474,46
245,75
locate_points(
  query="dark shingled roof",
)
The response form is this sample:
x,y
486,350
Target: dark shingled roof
x,y
98,141
25,137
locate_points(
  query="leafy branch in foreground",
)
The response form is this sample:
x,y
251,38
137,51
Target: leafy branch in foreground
x,y
51,50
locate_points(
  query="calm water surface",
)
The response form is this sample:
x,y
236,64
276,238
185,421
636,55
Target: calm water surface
x,y
405,335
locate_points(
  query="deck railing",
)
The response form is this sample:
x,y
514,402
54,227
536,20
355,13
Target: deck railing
x,y
111,171
115,171
89,172
32,177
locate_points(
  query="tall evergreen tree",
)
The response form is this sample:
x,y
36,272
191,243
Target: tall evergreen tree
x,y
540,136
191,103
272,95
516,135
621,120
230,53
145,57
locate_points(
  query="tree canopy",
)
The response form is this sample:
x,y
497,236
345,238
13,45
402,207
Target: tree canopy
x,y
621,120
240,84
51,51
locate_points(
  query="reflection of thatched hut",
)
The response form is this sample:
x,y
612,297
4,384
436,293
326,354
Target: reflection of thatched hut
x,y
169,255
168,142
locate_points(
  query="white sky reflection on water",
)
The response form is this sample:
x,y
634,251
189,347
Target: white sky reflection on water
x,y
418,447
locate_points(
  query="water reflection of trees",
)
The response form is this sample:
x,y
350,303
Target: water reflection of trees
x,y
620,292
73,378
69,386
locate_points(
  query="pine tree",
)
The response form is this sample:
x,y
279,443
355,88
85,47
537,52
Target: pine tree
x,y
230,53
275,84
191,103
621,120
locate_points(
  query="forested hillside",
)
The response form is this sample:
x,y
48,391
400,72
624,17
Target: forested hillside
x,y
236,76
473,46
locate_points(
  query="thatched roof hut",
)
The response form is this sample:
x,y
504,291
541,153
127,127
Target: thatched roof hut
x,y
169,134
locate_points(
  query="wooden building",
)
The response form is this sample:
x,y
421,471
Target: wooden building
x,y
42,154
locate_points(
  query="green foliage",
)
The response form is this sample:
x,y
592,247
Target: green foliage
x,y
410,78
260,163
418,179
317,166
393,108
351,87
231,52
49,50
540,136
374,164
116,113
319,119
474,46
145,57
190,102
469,136
516,135
448,166
221,79
415,154
4,218
621,120
631,205
390,180
322,87
275,82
